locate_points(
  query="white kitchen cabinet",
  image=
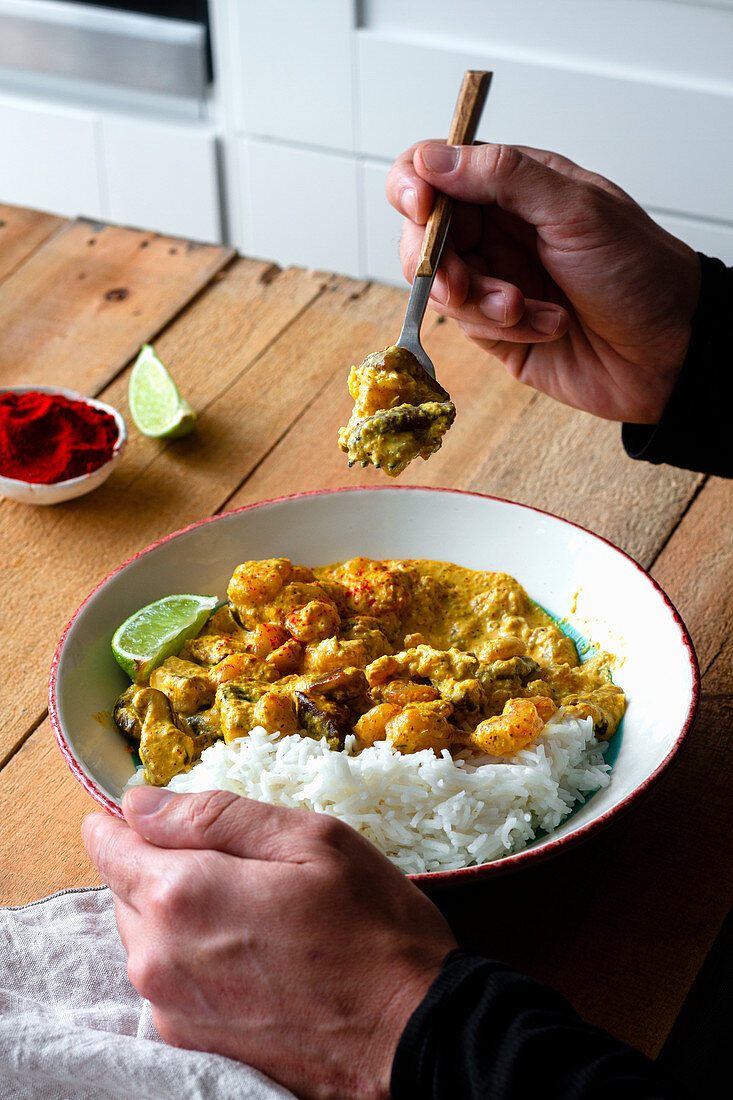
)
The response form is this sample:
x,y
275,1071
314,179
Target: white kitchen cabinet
x,y
638,90
161,176
673,41
104,115
292,68
301,206
658,141
382,227
49,158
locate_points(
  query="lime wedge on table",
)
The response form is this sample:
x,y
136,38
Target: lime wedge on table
x,y
158,631
156,406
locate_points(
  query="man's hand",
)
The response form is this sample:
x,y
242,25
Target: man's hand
x,y
555,271
277,937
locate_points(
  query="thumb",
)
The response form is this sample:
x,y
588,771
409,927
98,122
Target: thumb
x,y
214,820
500,174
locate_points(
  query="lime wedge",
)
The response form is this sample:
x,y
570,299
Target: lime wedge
x,y
156,406
158,631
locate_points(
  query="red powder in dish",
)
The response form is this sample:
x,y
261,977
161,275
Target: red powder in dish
x,y
45,438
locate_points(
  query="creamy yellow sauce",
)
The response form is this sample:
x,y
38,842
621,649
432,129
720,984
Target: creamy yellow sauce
x,y
422,654
399,412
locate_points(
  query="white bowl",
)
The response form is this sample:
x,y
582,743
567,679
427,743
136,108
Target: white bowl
x,y
572,573
29,492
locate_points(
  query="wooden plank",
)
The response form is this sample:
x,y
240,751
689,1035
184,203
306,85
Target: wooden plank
x,y
670,864
21,232
572,464
81,305
695,568
43,807
55,556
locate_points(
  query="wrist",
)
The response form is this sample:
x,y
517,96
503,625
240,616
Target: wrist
x,y
659,363
688,284
408,992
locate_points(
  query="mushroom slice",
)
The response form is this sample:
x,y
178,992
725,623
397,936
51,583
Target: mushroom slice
x,y
323,719
145,714
344,685
347,687
127,716
391,438
519,668
205,728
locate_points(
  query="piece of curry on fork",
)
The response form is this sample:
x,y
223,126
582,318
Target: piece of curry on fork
x,y
399,412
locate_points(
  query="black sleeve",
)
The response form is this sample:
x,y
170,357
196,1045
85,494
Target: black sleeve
x,y
696,429
485,1032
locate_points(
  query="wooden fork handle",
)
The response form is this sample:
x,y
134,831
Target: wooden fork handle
x,y
471,99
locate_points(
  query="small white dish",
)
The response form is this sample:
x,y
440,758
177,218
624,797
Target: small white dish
x,y
28,492
601,592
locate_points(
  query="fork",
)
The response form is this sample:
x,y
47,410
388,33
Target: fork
x,y
471,99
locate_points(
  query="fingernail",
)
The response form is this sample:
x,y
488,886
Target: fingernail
x,y
440,158
409,203
545,321
147,800
493,306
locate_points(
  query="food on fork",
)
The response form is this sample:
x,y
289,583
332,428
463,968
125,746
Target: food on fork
x,y
399,412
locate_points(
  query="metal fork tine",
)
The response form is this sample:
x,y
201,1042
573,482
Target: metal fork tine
x,y
409,338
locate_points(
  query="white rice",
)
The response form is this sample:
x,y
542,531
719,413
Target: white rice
x,y
426,813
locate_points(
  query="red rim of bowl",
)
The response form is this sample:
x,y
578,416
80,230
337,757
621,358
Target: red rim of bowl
x,y
73,395
504,865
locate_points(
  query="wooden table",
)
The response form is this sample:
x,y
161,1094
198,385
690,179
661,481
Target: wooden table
x,y
623,923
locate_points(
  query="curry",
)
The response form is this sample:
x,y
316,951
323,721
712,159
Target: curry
x,y
422,654
399,412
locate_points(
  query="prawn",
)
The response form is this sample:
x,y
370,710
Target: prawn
x,y
518,725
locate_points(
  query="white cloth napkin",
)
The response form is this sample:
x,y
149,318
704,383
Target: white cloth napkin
x,y
73,1028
